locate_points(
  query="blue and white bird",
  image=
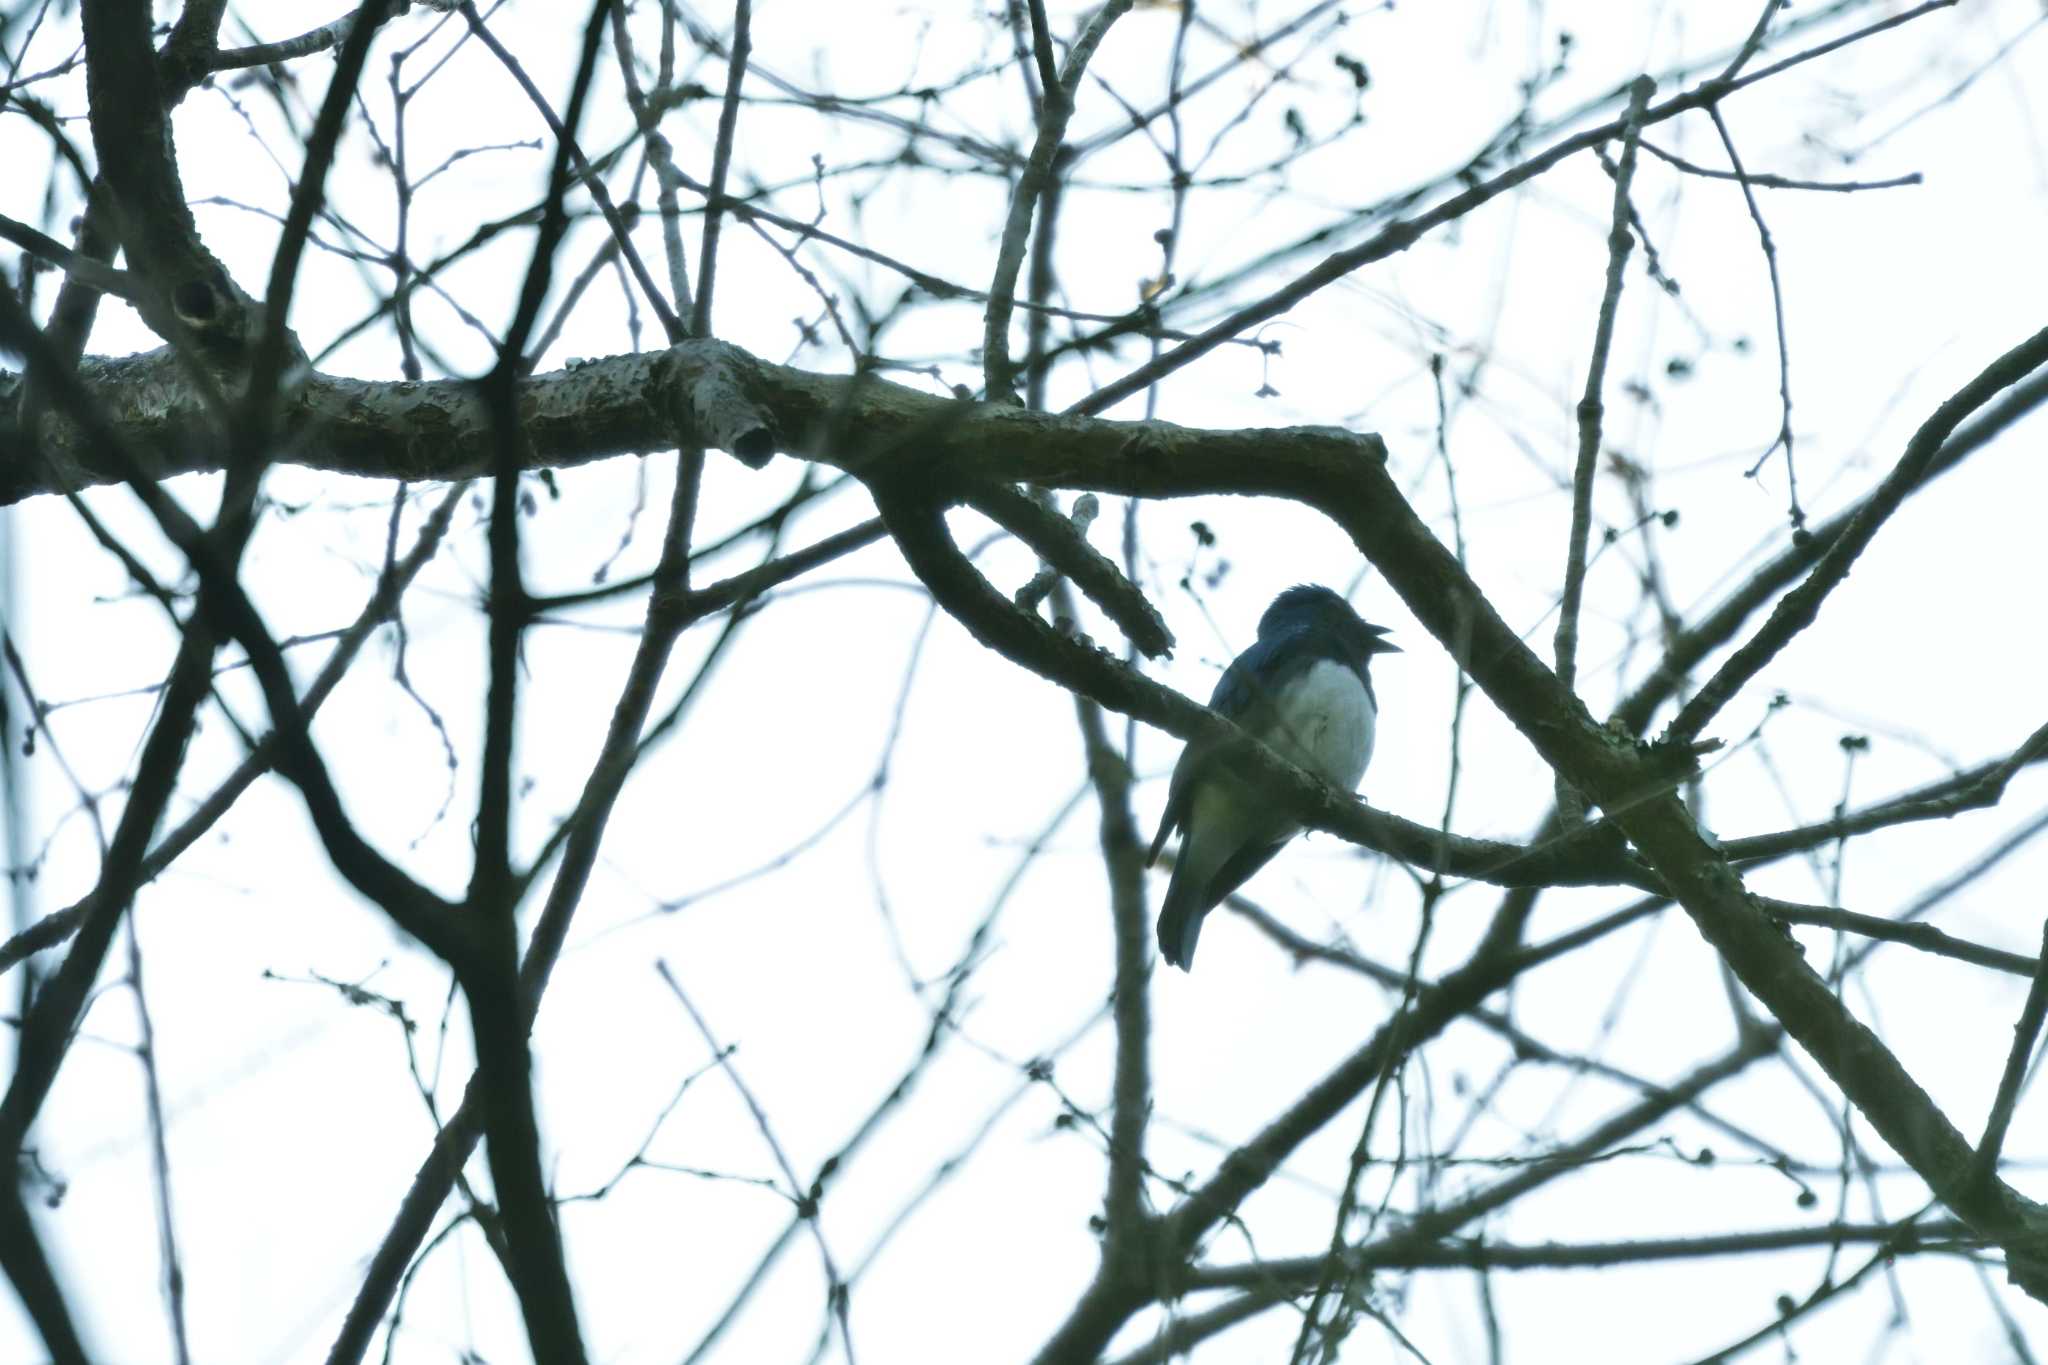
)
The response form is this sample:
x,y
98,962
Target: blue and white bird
x,y
1304,689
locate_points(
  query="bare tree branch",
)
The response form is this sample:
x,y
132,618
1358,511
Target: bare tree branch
x,y
1799,608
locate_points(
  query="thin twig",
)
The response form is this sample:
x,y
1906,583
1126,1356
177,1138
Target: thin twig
x,y
660,155
806,1200
1798,608
1123,860
1784,438
159,1151
1572,806
2024,1035
1947,1235
721,164
1054,109
59,925
1925,937
592,181
1764,180
1754,43
1398,236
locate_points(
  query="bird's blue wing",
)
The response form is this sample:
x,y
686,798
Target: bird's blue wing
x,y
1256,677
1246,688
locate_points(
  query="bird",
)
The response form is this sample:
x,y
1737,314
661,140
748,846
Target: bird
x,y
1302,687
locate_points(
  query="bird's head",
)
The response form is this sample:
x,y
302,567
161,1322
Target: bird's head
x,y
1318,608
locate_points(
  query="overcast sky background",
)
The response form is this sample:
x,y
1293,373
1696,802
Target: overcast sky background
x,y
295,1127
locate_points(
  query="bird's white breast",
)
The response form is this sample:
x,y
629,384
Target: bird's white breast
x,y
1324,721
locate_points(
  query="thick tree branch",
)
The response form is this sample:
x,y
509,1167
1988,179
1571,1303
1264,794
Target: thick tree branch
x,y
86,270
707,392
216,559
1629,781
1063,546
142,419
1082,667
186,292
897,438
711,393
35,1280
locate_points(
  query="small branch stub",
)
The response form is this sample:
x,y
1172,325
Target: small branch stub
x,y
727,417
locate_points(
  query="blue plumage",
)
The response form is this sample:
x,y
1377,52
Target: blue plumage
x,y
1303,687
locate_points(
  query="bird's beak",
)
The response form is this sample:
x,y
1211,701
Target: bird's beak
x,y
1385,647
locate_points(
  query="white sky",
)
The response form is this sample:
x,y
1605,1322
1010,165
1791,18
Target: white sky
x,y
295,1127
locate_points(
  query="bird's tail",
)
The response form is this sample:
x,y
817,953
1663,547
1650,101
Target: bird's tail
x,y
1180,915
